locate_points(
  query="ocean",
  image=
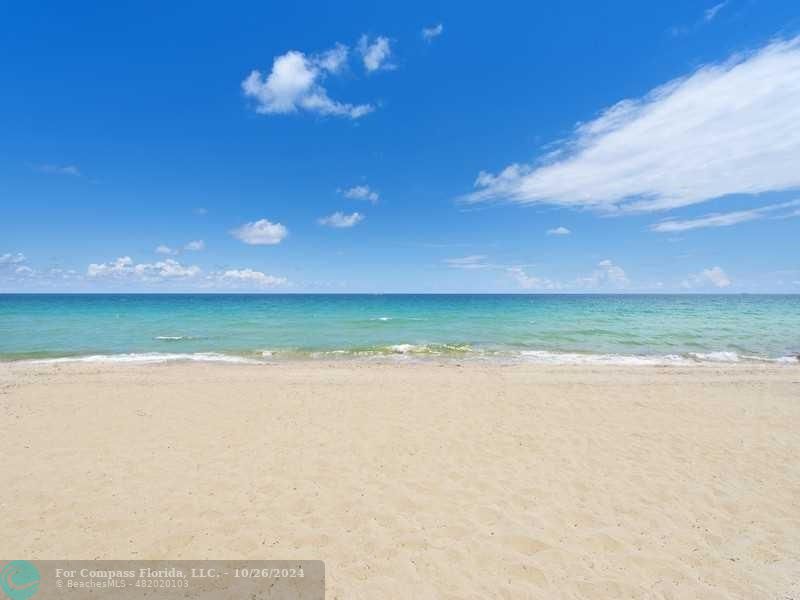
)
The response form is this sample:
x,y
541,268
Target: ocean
x,y
631,329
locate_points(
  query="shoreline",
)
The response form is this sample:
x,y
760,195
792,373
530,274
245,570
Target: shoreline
x,y
416,480
414,354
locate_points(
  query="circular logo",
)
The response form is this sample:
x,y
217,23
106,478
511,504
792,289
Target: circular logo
x,y
20,579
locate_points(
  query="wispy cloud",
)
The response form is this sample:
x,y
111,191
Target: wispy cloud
x,y
711,13
558,231
708,15
71,170
474,261
164,249
340,220
723,219
376,54
361,192
429,33
295,83
261,233
195,246
730,128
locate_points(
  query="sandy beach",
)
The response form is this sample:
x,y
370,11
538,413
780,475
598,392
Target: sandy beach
x,y
417,480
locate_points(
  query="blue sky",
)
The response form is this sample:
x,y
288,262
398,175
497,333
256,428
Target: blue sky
x,y
422,147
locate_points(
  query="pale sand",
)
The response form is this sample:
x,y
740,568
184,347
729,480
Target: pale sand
x,y
417,481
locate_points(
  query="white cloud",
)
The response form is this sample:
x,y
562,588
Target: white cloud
x,y
558,231
474,261
24,270
361,192
294,84
714,276
730,128
71,170
612,272
195,245
607,274
249,276
261,233
428,33
710,13
335,59
722,219
529,282
11,259
341,220
376,54
58,273
124,268
162,249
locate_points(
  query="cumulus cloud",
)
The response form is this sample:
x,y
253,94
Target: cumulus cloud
x,y
474,261
195,245
295,83
162,249
125,268
428,33
361,192
729,128
341,220
261,233
530,282
249,276
11,259
558,231
607,274
723,219
375,54
714,276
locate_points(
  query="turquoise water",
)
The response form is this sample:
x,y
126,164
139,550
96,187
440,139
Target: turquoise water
x,y
549,328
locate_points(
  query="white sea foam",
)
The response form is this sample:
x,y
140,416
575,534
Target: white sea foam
x,y
561,358
716,356
150,357
442,351
406,348
787,359
693,358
